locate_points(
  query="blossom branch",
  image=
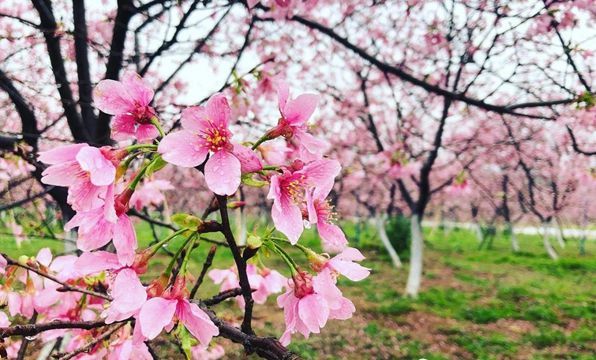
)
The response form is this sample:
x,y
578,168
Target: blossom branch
x,y
240,264
90,345
65,286
266,347
34,329
206,265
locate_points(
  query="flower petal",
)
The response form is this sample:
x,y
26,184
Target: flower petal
x,y
299,110
125,240
313,312
198,323
100,169
288,220
249,160
183,148
123,127
61,154
112,97
138,89
218,110
155,314
222,173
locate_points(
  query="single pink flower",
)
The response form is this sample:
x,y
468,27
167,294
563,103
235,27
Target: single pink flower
x,y
160,312
320,212
129,101
128,295
206,130
289,193
264,281
293,122
108,222
344,263
86,171
272,282
310,302
150,193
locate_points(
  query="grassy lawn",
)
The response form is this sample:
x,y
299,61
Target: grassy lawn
x,y
474,304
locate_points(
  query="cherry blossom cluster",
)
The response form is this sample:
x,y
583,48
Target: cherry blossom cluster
x,y
107,281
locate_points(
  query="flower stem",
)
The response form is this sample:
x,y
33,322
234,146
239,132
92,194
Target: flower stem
x,y
154,248
155,122
134,147
261,140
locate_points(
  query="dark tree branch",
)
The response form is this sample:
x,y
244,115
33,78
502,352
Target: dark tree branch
x,y
83,70
48,22
240,264
396,71
268,348
576,147
125,12
34,329
206,265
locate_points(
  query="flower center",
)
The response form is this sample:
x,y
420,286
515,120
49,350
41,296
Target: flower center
x,y
142,114
295,189
325,210
216,138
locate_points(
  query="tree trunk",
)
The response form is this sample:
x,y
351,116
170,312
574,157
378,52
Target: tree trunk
x,y
546,241
240,227
417,244
478,230
558,233
380,223
514,242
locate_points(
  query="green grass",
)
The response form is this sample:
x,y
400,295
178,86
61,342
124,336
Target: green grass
x,y
474,304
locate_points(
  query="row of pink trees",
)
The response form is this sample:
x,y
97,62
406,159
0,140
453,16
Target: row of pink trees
x,y
483,105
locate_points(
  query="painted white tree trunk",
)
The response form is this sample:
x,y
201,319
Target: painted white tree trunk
x,y
478,230
380,224
417,245
240,227
546,241
558,233
514,242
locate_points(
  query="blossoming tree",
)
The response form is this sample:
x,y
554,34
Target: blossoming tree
x,y
103,114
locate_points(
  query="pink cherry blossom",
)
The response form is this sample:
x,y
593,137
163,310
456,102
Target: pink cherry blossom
x,y
159,312
320,212
150,193
289,193
345,264
293,122
206,130
129,296
264,281
310,302
108,222
86,171
3,264
129,101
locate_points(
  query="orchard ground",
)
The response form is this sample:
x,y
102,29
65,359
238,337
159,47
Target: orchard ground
x,y
474,304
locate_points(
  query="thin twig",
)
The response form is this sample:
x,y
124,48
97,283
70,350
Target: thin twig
x,y
206,266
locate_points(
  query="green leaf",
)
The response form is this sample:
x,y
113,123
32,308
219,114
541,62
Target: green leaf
x,y
157,164
248,179
186,220
187,341
254,241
